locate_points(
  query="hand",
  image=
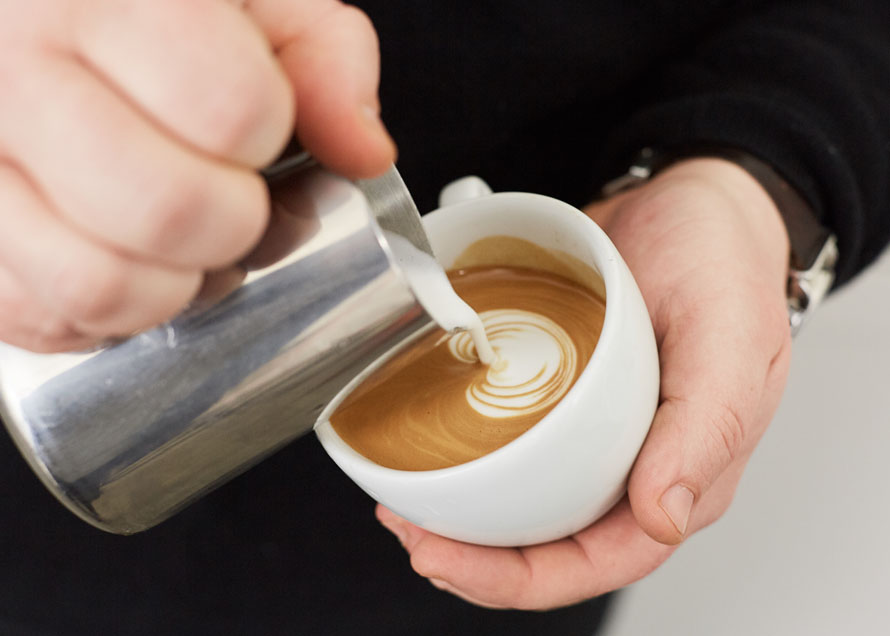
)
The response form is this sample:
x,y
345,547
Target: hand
x,y
131,132
710,253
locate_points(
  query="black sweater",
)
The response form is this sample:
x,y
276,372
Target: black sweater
x,y
555,97
550,97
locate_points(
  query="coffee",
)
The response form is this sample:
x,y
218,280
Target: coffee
x,y
435,405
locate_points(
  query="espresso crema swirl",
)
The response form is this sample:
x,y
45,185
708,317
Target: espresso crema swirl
x,y
535,365
435,405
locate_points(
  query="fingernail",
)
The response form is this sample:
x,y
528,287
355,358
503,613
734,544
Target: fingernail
x,y
677,503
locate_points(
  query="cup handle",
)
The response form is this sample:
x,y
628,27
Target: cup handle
x,y
463,189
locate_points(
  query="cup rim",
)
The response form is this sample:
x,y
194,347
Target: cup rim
x,y
606,260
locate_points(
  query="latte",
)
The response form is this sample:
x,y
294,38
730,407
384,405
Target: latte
x,y
435,405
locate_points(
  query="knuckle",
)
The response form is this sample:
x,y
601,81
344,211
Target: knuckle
x,y
171,214
727,434
52,329
205,221
333,16
52,336
358,19
157,306
89,293
253,216
28,324
250,99
238,228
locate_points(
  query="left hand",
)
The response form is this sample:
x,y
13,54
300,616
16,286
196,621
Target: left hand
x,y
710,254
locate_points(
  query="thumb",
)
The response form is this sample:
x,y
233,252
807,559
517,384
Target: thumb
x,y
721,382
330,54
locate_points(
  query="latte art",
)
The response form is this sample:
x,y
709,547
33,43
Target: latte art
x,y
436,405
536,363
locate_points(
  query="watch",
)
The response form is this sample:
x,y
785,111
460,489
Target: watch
x,y
814,252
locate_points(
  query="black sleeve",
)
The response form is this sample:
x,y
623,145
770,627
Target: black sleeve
x,y
806,87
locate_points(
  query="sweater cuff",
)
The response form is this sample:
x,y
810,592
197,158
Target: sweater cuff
x,y
794,147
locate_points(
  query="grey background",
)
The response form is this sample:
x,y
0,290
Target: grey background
x,y
805,546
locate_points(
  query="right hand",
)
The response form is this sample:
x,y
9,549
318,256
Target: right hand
x,y
131,132
709,251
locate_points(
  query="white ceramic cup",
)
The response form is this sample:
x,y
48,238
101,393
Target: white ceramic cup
x,y
571,467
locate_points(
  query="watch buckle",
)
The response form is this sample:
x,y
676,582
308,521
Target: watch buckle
x,y
807,288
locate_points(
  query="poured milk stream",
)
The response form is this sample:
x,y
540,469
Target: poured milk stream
x,y
436,295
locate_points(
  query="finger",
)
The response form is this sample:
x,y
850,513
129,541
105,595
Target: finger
x,y
217,285
201,69
28,324
113,175
96,291
445,586
329,51
722,372
293,220
608,555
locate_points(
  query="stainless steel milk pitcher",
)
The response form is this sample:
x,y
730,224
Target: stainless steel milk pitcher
x,y
128,434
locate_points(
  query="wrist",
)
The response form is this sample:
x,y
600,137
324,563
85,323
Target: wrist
x,y
811,247
743,196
